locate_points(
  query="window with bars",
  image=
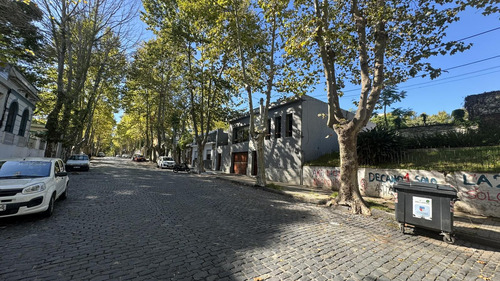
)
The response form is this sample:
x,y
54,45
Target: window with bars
x,y
289,125
268,135
277,127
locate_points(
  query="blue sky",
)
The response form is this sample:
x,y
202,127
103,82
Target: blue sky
x,y
447,92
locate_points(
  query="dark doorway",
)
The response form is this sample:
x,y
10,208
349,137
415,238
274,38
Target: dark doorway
x,y
219,160
254,163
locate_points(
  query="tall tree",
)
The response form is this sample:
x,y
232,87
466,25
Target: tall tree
x,y
194,27
371,43
389,96
74,29
20,37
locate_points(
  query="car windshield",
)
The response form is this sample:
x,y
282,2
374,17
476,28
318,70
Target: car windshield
x,y
169,159
24,169
79,157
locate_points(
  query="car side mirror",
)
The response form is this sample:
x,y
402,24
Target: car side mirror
x,y
61,174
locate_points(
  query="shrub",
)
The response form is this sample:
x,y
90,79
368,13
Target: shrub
x,y
377,145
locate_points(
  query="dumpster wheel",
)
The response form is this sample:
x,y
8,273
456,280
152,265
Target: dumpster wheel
x,y
402,227
448,238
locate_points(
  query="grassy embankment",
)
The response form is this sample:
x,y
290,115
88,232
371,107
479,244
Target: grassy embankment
x,y
484,159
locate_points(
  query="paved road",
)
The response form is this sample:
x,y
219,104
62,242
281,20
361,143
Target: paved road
x,y
129,221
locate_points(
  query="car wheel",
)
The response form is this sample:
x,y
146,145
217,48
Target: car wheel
x,y
188,170
65,193
50,209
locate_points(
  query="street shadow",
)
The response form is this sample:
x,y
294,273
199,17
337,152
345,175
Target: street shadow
x,y
186,228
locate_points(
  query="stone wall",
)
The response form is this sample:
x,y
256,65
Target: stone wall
x,y
479,193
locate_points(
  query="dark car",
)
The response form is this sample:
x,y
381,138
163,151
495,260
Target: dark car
x,y
138,158
181,167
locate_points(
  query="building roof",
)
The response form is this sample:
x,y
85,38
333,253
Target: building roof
x,y
278,104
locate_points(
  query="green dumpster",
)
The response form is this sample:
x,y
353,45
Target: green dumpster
x,y
426,205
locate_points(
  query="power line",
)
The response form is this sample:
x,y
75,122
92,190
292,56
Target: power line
x,y
437,81
454,67
445,82
477,34
478,61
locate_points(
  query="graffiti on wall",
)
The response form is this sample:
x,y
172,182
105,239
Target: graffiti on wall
x,y
479,193
395,178
480,179
380,183
481,187
326,177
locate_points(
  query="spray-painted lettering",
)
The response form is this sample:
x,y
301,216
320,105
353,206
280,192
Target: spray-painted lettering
x,y
475,194
480,179
387,178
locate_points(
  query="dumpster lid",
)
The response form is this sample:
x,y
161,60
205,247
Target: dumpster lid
x,y
426,187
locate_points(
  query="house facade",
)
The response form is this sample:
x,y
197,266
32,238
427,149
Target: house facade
x,y
297,134
17,104
217,140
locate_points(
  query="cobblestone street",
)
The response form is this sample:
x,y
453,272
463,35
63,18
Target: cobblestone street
x,y
129,221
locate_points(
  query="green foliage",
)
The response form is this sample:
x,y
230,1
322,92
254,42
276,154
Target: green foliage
x,y
471,137
389,96
378,206
377,145
20,38
471,150
328,160
274,186
474,159
458,116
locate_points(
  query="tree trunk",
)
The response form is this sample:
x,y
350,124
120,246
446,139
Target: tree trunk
x,y
201,167
349,192
261,172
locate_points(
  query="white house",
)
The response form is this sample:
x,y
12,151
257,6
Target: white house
x,y
212,154
17,104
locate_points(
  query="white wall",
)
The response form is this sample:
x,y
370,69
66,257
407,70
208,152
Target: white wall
x,y
318,138
479,193
14,151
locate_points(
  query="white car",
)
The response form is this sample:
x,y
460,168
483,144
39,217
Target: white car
x,y
31,185
78,162
165,162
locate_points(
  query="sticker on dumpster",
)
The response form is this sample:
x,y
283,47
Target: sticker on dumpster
x,y
422,208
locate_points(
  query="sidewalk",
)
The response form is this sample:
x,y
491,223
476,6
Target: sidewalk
x,y
471,228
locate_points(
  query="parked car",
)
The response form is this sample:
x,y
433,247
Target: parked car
x,y
31,185
101,154
181,167
138,158
125,156
165,162
78,162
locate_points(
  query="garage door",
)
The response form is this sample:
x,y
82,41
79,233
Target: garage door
x,y
240,163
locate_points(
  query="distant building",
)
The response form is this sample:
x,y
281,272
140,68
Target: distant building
x,y
484,107
17,104
212,152
297,134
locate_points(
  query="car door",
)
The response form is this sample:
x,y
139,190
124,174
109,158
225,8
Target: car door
x,y
59,181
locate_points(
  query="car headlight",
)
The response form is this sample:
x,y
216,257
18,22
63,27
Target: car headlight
x,y
39,187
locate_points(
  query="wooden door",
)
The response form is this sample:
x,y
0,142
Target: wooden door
x,y
240,162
